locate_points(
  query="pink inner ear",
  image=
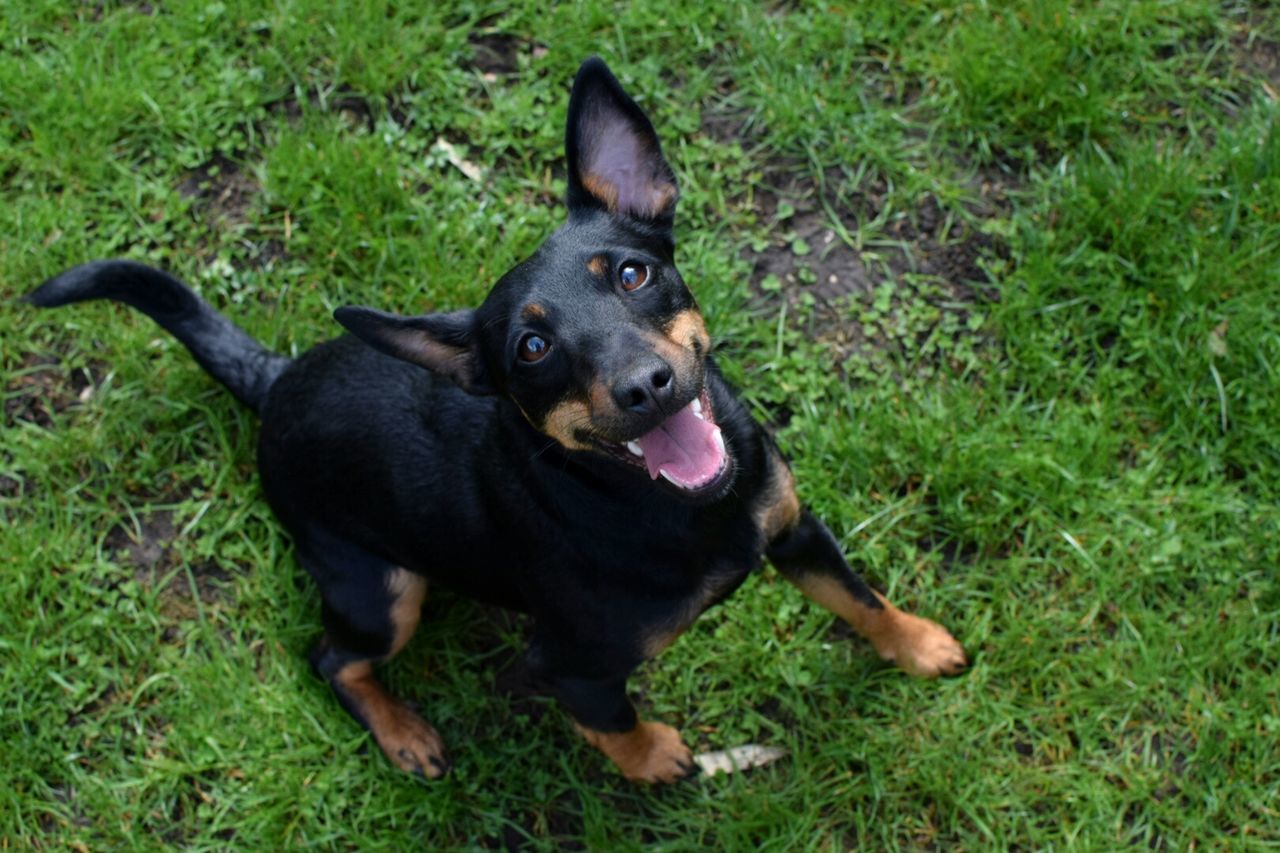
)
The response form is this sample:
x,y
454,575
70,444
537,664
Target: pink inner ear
x,y
621,171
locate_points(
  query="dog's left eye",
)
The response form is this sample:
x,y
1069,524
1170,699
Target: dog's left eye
x,y
534,348
633,275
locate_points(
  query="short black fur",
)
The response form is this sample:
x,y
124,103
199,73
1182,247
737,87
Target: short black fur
x,y
503,469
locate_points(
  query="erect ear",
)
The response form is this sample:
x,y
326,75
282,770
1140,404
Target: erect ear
x,y
615,160
443,343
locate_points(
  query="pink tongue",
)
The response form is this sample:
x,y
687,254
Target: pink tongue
x,y
685,447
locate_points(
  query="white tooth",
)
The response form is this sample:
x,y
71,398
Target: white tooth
x,y
635,449
719,439
672,480
696,405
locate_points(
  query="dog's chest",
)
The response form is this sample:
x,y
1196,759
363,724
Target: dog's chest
x,y
714,588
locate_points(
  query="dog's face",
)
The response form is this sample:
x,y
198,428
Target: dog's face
x,y
595,337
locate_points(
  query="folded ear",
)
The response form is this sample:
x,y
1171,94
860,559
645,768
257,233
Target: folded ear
x,y
615,161
443,343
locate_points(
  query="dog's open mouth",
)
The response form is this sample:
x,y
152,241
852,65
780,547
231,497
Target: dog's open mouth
x,y
687,449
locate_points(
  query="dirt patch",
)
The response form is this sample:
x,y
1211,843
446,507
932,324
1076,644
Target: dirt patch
x,y
44,386
809,256
813,249
69,810
912,281
728,125
147,547
497,54
213,587
1257,55
1171,752
1249,57
954,553
99,10
342,100
558,822
870,295
223,194
222,189
10,487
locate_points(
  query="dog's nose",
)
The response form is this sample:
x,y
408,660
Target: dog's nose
x,y
646,387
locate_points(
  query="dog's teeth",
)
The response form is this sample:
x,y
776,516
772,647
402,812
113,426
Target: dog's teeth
x,y
696,405
672,480
635,449
719,440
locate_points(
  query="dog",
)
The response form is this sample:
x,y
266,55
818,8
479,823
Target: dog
x,y
568,449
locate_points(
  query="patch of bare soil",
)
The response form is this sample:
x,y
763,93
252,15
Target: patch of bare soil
x,y
44,386
727,126
222,189
223,193
342,100
497,54
147,547
812,257
67,800
557,822
99,10
1256,53
922,241
1249,58
728,122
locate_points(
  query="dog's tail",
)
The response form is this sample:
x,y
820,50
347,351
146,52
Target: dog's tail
x,y
222,348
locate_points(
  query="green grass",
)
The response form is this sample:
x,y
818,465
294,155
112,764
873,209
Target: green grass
x,y
1045,415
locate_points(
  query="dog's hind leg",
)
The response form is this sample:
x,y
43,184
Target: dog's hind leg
x,y
371,609
808,555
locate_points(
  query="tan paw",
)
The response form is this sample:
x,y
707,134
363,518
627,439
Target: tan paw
x,y
410,742
922,647
651,752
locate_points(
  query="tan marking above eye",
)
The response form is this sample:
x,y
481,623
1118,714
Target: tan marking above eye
x,y
598,265
533,311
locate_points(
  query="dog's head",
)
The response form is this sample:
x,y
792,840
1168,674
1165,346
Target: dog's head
x,y
595,337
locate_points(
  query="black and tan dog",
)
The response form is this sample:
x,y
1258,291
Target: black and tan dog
x,y
568,449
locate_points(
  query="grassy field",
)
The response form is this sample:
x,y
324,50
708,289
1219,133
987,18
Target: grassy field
x,y
1004,276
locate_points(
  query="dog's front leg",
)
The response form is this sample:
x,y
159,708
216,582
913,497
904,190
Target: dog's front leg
x,y
644,751
808,555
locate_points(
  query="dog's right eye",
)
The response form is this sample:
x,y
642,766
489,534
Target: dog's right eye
x,y
534,348
633,275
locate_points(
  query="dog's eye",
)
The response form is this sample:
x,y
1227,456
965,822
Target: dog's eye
x,y
534,348
633,275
